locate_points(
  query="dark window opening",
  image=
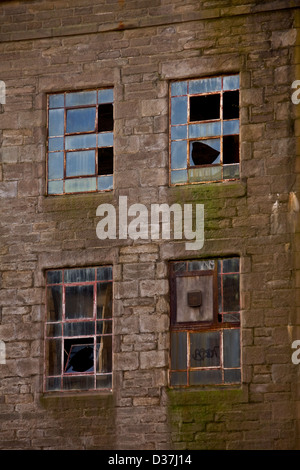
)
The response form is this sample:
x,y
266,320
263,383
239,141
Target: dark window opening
x,y
79,357
230,149
202,154
105,161
204,108
231,105
105,118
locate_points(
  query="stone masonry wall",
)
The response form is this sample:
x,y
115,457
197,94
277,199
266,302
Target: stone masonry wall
x,y
138,47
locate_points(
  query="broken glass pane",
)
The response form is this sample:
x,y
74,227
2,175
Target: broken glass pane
x,y
178,350
179,110
179,154
231,104
205,85
56,122
204,152
204,108
231,347
105,161
79,302
81,120
105,117
80,163
80,185
55,165
205,349
231,149
78,355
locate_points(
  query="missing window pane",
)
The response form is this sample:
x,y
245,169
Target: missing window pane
x,y
204,108
105,117
105,161
202,153
79,355
230,149
231,105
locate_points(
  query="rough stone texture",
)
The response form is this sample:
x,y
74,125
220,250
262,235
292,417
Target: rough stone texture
x,y
138,46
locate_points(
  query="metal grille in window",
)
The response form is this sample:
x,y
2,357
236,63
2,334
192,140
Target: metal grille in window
x,y
205,322
204,130
78,329
80,141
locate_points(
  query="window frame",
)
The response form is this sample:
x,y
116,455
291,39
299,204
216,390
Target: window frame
x,y
59,330
105,180
187,170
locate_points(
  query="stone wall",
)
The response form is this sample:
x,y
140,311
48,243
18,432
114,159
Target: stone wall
x,y
138,47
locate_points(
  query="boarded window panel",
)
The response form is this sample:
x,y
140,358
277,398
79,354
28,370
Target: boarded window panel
x,y
231,149
80,163
81,120
231,297
186,313
105,117
231,105
205,349
54,303
79,302
178,350
204,108
105,161
231,345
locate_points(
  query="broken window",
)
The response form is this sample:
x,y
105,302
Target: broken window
x,y
205,322
204,129
78,329
80,141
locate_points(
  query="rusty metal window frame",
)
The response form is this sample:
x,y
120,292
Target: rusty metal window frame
x,y
184,172
59,184
188,369
61,331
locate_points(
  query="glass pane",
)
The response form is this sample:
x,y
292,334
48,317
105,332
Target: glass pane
x,y
81,98
205,130
79,275
53,383
104,381
106,139
56,122
209,173
205,85
80,141
204,152
79,301
54,329
231,82
232,375
55,143
55,187
179,154
179,176
104,327
231,171
55,165
179,110
204,108
104,273
81,120
81,382
231,294
105,117
80,163
54,277
104,300
178,88
104,354
231,317
79,328
54,303
78,355
106,96
201,377
231,347
231,265
200,265
178,378
56,101
178,132
80,185
231,127
179,267
53,356
105,182
205,349
178,350
105,161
